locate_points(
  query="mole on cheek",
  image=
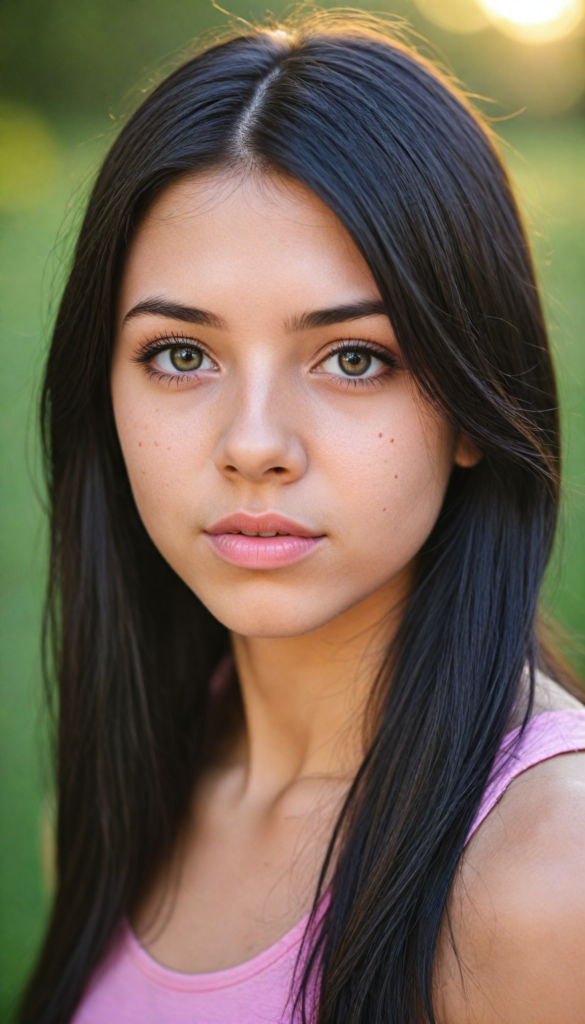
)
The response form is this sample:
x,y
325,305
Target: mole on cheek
x,y
379,435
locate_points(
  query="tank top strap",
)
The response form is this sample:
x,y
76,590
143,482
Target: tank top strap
x,y
547,735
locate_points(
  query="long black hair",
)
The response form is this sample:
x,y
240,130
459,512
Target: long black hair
x,y
398,154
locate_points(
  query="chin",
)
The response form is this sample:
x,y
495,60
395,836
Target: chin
x,y
270,618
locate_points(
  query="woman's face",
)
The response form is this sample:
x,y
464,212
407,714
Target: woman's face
x,y
258,389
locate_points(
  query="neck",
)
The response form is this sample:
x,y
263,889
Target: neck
x,y
305,698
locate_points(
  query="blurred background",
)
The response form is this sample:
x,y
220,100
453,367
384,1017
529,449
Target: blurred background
x,y
70,70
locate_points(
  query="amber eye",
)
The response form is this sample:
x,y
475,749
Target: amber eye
x,y
184,359
355,363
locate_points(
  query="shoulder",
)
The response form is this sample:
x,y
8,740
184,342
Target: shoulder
x,y
517,907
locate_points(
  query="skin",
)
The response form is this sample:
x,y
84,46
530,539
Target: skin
x,y
271,423
518,905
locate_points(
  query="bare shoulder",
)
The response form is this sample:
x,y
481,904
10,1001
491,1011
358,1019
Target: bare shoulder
x,y
517,907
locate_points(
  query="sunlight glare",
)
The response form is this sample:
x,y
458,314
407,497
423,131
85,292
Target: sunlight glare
x,y
535,20
528,12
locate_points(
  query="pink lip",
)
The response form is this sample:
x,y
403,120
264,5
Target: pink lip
x,y
228,541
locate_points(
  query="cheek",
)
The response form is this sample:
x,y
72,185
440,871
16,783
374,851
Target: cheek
x,y
162,451
394,485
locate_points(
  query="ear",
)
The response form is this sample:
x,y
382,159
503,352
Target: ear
x,y
467,454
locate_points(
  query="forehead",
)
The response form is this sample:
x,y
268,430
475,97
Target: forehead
x,y
220,235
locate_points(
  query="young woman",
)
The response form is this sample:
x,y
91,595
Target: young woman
x,y
301,425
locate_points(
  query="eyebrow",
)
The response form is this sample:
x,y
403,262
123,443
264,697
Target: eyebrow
x,y
306,321
175,311
337,315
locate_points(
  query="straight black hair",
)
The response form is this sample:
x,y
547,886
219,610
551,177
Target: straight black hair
x,y
397,153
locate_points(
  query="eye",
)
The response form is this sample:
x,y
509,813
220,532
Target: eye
x,y
353,362
182,359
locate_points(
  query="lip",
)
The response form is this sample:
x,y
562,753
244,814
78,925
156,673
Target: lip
x,y
227,537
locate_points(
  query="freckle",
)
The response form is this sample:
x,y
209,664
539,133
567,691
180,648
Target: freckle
x,y
396,476
379,435
169,448
383,510
391,440
140,444
156,444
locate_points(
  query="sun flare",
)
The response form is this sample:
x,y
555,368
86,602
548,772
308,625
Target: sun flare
x,y
528,12
535,20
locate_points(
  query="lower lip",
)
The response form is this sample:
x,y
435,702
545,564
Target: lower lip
x,y
262,552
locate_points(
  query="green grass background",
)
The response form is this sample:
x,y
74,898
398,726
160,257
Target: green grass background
x,y
548,164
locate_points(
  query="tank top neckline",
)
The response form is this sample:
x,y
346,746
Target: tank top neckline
x,y
210,980
555,727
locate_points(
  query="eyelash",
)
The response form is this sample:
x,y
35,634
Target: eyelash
x,y
383,354
160,344
155,346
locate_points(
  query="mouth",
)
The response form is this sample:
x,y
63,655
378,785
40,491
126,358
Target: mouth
x,y
265,541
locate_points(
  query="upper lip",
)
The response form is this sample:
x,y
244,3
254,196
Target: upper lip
x,y
265,522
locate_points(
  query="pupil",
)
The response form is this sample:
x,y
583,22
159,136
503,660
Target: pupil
x,y
186,358
355,363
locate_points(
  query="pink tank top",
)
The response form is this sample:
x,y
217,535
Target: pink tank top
x,y
131,988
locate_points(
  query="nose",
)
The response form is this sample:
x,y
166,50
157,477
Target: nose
x,y
260,443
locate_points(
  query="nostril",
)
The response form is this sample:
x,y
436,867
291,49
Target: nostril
x,y
279,469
